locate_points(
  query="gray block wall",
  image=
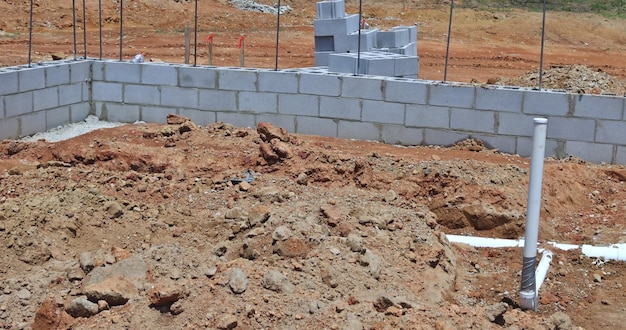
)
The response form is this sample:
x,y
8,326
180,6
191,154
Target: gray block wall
x,y
312,101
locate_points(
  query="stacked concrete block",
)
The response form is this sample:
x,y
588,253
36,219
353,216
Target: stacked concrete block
x,y
338,33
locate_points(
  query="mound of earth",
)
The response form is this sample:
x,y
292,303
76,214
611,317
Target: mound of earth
x,y
170,226
571,78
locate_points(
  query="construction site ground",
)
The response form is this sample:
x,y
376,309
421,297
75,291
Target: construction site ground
x,y
180,226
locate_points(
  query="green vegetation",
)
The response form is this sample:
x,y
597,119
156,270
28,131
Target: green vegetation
x,y
609,8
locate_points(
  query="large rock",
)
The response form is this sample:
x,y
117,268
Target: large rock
x,y
238,281
51,315
82,307
114,290
131,269
276,281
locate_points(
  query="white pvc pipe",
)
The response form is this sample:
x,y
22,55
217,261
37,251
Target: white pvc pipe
x,y
542,269
528,290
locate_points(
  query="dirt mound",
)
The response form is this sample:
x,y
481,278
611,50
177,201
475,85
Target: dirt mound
x,y
571,78
177,225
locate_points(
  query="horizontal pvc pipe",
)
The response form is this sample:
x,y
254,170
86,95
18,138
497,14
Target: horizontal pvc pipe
x,y
611,252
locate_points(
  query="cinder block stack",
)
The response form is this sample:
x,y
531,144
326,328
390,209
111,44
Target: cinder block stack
x,y
385,53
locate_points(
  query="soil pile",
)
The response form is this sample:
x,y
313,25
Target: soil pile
x,y
184,226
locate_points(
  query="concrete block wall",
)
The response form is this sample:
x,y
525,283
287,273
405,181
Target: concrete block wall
x,y
313,101
43,96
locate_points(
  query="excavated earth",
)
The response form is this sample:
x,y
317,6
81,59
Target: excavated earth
x,y
180,226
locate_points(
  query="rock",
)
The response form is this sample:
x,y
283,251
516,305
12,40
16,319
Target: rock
x,y
227,322
234,213
373,261
177,307
244,186
333,217
281,149
268,153
269,132
81,307
328,277
163,295
113,209
238,281
495,312
292,248
115,291
355,243
51,315
353,322
132,269
390,196
24,294
258,215
174,119
276,281
561,321
302,179
281,233
86,261
103,305
74,273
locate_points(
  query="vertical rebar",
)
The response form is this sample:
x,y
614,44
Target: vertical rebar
x,y
84,31
543,31
74,25
358,51
30,33
100,25
121,26
445,68
277,33
195,35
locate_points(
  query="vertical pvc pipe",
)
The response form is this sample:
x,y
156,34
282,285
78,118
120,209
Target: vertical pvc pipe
x,y
528,291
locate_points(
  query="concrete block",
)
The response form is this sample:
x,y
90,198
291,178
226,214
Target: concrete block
x,y
115,112
330,9
472,120
57,75
199,117
383,112
499,99
576,129
452,95
278,81
336,26
321,58
8,82
31,79
345,62
591,152
152,114
70,94
47,98
398,134
316,126
258,102
320,84
525,147
546,103
159,74
9,128
237,119
620,155
610,131
324,43
507,144
198,77
341,108
80,71
80,111
106,91
33,123
142,94
362,87
515,124
298,104
179,97
358,130
217,100
57,117
2,115
122,72
406,66
599,106
379,65
443,138
97,70
18,104
427,116
406,91
392,38
284,121
237,79
409,49
350,42
412,29
86,91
